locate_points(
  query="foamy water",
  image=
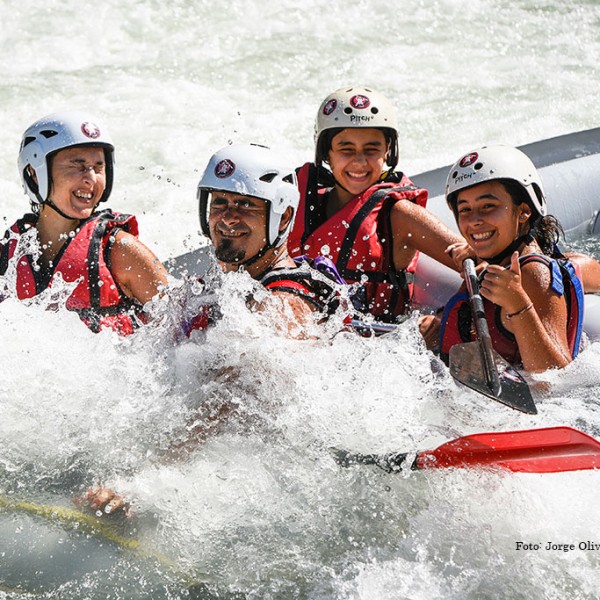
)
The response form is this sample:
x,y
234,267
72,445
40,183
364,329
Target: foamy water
x,y
261,506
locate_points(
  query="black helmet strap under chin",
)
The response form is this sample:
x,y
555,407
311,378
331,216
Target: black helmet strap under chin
x,y
276,244
514,245
55,208
524,239
338,183
250,261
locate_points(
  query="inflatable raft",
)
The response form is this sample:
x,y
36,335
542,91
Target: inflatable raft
x,y
570,169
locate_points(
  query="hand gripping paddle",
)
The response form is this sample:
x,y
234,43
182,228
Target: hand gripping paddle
x,y
549,450
478,366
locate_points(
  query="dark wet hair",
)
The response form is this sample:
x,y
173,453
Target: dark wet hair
x,y
546,231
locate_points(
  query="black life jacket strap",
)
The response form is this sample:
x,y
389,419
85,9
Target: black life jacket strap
x,y
319,293
314,207
93,316
350,237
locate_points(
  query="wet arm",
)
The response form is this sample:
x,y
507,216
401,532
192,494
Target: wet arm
x,y
292,314
590,271
540,332
416,228
136,269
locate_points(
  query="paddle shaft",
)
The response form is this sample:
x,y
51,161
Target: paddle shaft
x,y
547,450
375,329
481,327
390,463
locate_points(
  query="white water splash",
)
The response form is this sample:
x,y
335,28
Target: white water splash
x,y
262,506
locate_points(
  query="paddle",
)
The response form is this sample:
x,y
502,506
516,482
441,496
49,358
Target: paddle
x,y
478,366
375,329
549,450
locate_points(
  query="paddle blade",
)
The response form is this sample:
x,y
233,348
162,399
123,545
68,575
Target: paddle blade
x,y
466,366
549,450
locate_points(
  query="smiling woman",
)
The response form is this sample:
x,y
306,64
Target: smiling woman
x,y
79,180
357,159
533,296
370,221
66,164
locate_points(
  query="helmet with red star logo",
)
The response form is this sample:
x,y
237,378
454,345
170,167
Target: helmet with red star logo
x,y
55,132
355,107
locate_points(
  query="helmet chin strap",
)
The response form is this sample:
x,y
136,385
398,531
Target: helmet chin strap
x,y
524,239
55,208
384,175
344,188
253,259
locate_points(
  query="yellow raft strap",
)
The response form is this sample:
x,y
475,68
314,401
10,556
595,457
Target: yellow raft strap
x,y
93,525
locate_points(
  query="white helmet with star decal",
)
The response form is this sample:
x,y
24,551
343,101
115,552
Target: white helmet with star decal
x,y
251,170
44,138
356,107
490,163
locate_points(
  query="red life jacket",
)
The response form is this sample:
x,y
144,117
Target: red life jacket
x,y
358,238
304,281
97,299
457,325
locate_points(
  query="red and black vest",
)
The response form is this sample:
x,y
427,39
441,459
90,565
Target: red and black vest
x,y
358,239
97,299
457,325
311,280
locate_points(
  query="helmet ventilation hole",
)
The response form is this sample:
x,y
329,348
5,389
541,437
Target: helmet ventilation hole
x,y
49,133
477,166
374,110
268,177
348,110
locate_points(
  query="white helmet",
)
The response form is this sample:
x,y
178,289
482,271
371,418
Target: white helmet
x,y
496,162
356,107
56,132
251,170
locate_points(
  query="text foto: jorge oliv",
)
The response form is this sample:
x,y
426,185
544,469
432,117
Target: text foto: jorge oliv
x,y
587,545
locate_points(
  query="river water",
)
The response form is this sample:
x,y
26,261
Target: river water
x,y
260,507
